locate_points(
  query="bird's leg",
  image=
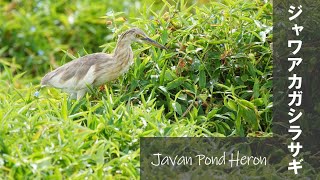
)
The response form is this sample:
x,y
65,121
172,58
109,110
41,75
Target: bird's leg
x,y
102,88
81,93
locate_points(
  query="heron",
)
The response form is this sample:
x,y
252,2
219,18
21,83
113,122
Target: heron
x,y
77,76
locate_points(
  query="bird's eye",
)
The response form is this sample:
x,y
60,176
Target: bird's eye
x,y
137,36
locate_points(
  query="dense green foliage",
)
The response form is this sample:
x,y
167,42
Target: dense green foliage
x,y
214,80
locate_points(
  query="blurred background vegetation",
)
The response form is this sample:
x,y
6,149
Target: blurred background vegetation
x,y
214,79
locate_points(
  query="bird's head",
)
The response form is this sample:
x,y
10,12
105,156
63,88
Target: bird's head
x,y
137,35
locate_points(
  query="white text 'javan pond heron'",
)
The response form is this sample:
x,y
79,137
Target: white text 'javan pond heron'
x,y
98,68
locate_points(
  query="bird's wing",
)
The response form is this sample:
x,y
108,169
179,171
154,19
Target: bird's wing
x,y
76,74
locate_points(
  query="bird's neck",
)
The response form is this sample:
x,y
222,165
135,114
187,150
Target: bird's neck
x,y
122,48
123,53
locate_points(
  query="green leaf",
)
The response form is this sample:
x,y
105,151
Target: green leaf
x,y
175,83
223,86
177,108
202,77
244,77
163,89
212,113
256,88
232,105
162,74
238,121
258,102
246,103
250,117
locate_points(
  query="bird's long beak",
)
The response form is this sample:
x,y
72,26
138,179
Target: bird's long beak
x,y
154,43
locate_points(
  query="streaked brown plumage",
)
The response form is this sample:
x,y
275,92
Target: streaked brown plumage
x,y
98,68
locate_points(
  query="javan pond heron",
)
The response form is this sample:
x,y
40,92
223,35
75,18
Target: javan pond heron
x,y
96,69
